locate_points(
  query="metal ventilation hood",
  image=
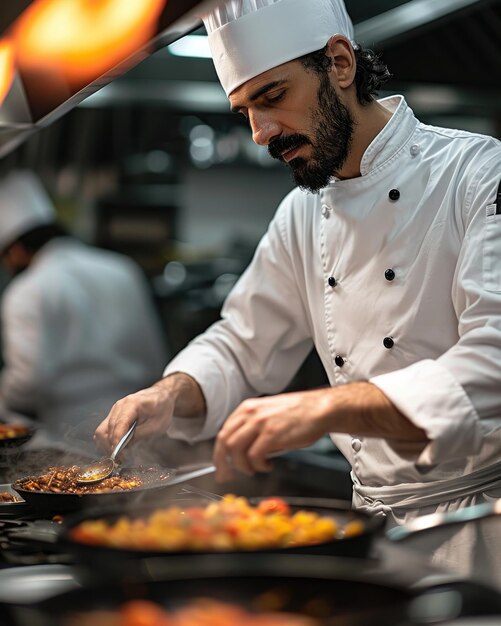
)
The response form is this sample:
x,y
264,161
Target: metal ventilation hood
x,y
38,93
445,56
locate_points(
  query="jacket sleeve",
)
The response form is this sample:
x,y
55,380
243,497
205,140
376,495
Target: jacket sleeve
x,y
257,346
21,383
456,398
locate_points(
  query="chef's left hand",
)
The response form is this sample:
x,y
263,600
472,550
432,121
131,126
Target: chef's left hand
x,y
260,427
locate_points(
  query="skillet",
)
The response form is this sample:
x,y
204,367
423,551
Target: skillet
x,y
154,480
338,592
302,586
17,440
110,558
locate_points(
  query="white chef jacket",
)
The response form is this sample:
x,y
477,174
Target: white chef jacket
x,y
395,277
79,332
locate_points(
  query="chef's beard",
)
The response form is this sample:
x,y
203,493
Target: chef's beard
x,y
333,128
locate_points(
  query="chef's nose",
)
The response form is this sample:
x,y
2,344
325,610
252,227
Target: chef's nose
x,y
264,128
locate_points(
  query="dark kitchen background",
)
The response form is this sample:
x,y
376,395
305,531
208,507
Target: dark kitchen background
x,y
152,163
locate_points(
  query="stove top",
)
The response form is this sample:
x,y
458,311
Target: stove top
x,y
29,540
34,567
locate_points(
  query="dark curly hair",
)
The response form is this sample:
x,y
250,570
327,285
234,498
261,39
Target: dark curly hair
x,y
371,71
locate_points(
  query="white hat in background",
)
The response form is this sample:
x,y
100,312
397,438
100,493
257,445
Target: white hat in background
x,y
249,37
24,204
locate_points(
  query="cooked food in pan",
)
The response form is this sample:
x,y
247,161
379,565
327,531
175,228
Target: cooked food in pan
x,y
64,480
200,612
10,431
5,496
230,524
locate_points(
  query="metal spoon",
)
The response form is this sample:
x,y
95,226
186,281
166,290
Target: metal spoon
x,y
103,468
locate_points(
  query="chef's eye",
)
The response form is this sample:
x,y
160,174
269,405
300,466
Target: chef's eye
x,y
243,112
275,97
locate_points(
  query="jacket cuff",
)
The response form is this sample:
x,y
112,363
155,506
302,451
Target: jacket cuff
x,y
433,400
193,430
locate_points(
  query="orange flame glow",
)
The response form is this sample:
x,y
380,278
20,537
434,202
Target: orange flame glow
x,y
83,39
6,67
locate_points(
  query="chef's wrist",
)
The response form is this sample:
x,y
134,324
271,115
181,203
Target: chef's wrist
x,y
185,392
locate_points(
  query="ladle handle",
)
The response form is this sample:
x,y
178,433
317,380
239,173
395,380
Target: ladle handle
x,y
123,441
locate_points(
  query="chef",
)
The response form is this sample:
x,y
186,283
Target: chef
x,y
386,258
79,329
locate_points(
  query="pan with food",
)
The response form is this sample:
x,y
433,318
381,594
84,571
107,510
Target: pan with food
x,y
231,525
56,490
13,435
242,591
11,503
249,590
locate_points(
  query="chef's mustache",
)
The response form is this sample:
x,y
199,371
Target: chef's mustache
x,y
289,142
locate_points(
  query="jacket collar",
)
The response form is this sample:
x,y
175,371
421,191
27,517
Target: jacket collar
x,y
394,135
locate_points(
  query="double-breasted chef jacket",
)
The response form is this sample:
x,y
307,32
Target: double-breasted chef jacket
x,y
79,332
395,277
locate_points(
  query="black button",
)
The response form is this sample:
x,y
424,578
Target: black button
x,y
388,342
332,281
394,194
389,274
339,361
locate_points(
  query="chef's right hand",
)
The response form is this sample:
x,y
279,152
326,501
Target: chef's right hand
x,y
152,407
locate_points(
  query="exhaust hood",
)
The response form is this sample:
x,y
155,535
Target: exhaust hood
x,y
55,53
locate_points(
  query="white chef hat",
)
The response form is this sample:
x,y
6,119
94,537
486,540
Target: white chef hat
x,y
24,205
248,37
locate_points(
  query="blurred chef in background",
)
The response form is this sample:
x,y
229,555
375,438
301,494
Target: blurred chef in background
x,y
386,257
79,326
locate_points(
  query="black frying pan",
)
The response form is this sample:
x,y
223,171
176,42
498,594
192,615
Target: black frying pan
x,y
338,592
336,595
18,440
50,503
114,559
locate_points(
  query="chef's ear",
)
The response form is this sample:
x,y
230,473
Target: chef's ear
x,y
344,65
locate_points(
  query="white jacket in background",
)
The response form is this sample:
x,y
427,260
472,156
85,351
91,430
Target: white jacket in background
x,y
79,331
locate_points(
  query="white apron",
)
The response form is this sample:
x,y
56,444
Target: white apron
x,y
471,550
